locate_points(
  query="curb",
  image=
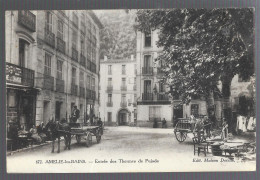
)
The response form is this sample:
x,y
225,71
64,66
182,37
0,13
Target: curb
x,y
32,147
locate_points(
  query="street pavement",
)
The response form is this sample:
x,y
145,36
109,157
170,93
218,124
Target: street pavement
x,y
123,149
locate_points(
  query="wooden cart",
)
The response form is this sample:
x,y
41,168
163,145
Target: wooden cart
x,y
86,132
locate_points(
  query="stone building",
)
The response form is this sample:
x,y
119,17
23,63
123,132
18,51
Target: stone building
x,y
118,91
52,64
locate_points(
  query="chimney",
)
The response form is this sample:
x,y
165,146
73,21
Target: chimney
x,y
105,58
132,57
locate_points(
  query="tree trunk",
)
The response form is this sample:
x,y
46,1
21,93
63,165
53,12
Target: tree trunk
x,y
210,101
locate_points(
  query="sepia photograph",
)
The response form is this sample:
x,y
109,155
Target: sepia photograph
x,y
130,90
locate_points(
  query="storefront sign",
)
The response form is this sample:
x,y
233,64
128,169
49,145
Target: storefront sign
x,y
13,74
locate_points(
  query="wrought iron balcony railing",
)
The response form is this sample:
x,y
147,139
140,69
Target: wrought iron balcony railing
x,y
147,70
147,96
162,97
49,38
61,45
27,19
60,85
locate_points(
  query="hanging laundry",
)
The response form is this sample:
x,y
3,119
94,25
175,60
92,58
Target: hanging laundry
x,y
241,123
250,125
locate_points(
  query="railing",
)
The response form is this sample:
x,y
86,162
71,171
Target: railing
x,y
88,64
123,104
48,82
109,87
19,75
49,38
61,45
82,60
81,91
93,95
109,104
74,89
60,85
162,97
147,96
27,19
123,88
147,70
74,54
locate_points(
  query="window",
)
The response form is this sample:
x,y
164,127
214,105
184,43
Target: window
x,y
147,86
147,39
82,44
109,81
89,52
81,79
60,29
59,69
75,19
88,81
161,87
109,116
154,113
93,84
47,64
109,98
73,76
123,81
74,39
93,55
110,69
194,110
123,98
147,61
48,21
123,69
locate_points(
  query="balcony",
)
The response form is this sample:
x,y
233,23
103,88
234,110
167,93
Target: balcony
x,y
147,70
109,104
123,88
74,89
88,64
19,75
134,87
93,95
60,85
82,60
162,97
48,82
74,54
147,96
123,104
61,45
27,19
49,38
81,91
93,67
110,88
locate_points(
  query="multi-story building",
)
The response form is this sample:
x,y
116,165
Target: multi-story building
x,y
153,102
52,64
118,91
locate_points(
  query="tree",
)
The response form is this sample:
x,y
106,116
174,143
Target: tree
x,y
202,47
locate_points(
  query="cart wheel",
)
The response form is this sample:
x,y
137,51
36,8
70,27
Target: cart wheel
x,y
180,135
88,139
78,138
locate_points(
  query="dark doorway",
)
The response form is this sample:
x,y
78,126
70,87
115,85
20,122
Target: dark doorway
x,y
58,110
122,117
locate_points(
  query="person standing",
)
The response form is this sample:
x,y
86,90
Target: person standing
x,y
75,114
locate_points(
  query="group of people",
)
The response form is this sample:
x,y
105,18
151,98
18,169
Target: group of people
x,y
245,124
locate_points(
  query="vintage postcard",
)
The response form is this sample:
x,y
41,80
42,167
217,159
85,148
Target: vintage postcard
x,y
155,90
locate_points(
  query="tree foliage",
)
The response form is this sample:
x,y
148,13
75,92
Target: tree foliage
x,y
201,46
118,37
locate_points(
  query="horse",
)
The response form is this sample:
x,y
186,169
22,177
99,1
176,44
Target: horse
x,y
57,129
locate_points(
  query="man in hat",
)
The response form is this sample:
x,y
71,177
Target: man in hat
x,y
75,114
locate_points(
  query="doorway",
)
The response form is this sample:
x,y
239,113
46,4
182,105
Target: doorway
x,y
58,110
122,117
46,111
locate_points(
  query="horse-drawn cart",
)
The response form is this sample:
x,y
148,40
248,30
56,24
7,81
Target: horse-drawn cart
x,y
185,126
86,132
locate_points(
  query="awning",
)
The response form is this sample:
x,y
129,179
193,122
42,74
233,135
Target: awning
x,y
20,87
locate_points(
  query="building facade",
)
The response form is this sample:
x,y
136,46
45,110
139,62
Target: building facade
x,y
51,65
118,91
